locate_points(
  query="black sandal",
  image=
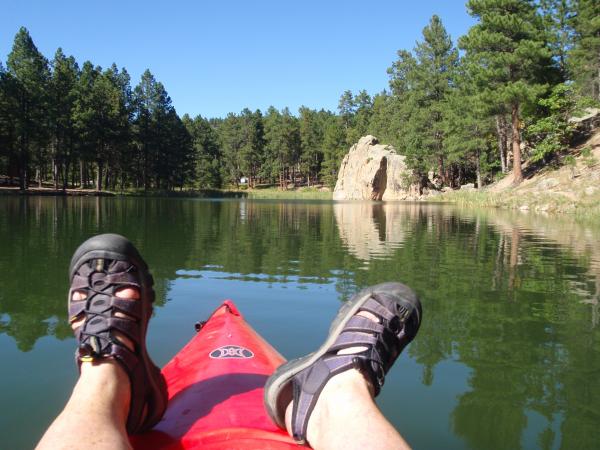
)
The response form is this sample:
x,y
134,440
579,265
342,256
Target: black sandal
x,y
399,312
100,266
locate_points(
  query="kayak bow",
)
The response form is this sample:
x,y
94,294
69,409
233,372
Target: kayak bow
x,y
215,386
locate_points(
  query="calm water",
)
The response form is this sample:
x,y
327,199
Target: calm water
x,y
508,355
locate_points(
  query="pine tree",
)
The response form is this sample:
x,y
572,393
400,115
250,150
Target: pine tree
x,y
83,120
28,69
62,98
334,148
124,157
143,100
557,17
584,58
508,47
231,145
8,104
311,141
468,130
253,143
205,141
421,84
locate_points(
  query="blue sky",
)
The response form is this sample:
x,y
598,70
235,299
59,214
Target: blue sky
x,y
221,56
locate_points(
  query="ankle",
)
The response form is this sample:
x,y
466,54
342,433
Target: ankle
x,y
106,383
338,399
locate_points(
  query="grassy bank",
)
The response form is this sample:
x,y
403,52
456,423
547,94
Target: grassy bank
x,y
266,193
296,194
585,207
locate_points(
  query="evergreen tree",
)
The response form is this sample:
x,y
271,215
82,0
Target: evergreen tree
x,y
421,85
380,120
28,70
363,109
283,145
231,144
311,141
468,131
205,141
124,154
83,120
144,99
253,143
62,98
584,58
437,60
334,148
557,17
508,47
8,104
347,109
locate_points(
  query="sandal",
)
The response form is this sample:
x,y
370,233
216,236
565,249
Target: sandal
x,y
100,266
399,312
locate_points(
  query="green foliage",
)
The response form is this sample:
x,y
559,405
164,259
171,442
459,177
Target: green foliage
x,y
207,152
584,57
557,19
421,84
551,134
570,161
509,59
334,148
27,78
312,131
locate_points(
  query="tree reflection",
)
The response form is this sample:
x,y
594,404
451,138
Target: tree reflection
x,y
512,297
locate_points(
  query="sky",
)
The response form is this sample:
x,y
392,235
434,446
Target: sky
x,y
223,56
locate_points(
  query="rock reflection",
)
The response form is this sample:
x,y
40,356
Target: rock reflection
x,y
372,230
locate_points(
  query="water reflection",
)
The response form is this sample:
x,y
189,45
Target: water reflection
x,y
511,299
373,230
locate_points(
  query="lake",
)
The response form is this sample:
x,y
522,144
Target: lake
x,y
507,357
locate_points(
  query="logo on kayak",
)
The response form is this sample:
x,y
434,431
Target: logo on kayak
x,y
231,351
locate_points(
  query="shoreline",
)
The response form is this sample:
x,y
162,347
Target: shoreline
x,y
299,194
547,203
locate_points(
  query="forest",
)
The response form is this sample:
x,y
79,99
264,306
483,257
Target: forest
x,y
470,110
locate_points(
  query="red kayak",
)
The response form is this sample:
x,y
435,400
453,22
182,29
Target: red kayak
x,y
216,391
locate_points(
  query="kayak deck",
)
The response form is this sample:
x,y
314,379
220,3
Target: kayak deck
x,y
215,386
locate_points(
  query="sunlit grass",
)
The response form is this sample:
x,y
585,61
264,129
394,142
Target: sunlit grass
x,y
584,207
300,194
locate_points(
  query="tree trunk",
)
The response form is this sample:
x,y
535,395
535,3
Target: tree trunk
x,y
516,145
441,169
66,174
99,177
81,174
55,174
501,130
478,169
107,178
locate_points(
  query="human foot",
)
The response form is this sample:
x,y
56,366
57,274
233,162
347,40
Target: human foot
x,y
110,304
369,332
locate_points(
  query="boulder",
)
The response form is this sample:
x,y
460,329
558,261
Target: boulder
x,y
372,171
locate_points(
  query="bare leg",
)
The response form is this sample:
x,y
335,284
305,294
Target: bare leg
x,y
346,417
96,414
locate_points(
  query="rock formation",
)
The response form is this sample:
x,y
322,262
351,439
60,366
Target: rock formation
x,y
372,171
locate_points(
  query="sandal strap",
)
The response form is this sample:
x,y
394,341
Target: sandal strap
x,y
97,336
384,341
307,386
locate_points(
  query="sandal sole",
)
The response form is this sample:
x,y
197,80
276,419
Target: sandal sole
x,y
279,381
